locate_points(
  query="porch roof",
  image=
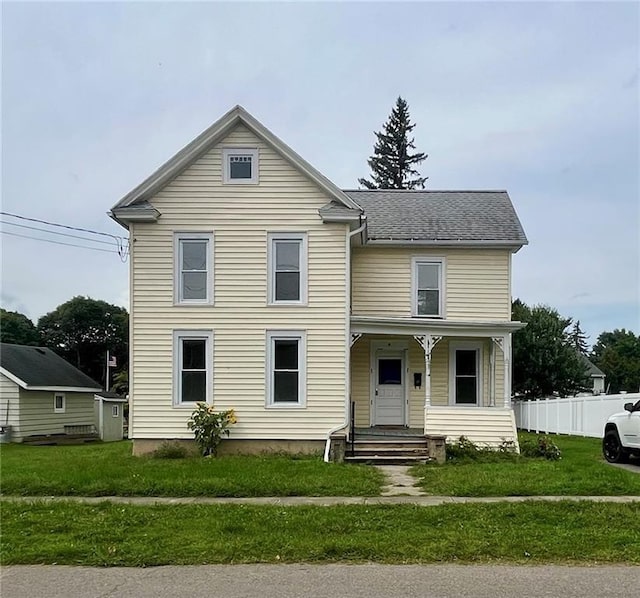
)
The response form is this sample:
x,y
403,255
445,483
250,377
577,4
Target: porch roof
x,y
421,326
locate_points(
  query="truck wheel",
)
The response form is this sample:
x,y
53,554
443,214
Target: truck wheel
x,y
612,448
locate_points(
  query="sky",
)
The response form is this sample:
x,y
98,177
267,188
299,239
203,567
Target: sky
x,y
541,99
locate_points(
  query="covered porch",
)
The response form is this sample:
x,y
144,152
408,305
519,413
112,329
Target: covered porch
x,y
436,377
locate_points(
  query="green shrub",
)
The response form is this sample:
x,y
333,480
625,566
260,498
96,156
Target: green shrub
x,y
209,426
542,446
466,450
171,449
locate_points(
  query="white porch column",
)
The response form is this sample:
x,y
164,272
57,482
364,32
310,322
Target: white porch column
x,y
427,342
492,374
506,348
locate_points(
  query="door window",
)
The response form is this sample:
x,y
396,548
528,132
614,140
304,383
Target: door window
x,y
390,371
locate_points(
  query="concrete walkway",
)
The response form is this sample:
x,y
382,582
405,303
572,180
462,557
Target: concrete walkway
x,y
322,501
399,482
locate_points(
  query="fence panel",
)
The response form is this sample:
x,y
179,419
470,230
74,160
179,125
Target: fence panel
x,y
581,416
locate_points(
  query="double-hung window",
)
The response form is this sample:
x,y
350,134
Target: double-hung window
x,y
239,166
193,268
286,368
287,256
427,284
193,367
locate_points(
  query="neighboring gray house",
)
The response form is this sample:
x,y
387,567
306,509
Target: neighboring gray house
x,y
41,394
596,375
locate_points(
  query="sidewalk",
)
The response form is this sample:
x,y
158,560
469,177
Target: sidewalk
x,y
322,501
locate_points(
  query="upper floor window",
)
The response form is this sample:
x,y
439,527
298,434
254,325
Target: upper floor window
x,y
427,285
193,366
193,268
240,166
287,268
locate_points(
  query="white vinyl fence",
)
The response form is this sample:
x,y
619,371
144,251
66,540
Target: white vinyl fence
x,y
580,416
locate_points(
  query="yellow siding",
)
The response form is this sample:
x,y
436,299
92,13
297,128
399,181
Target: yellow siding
x,y
476,282
239,216
485,426
37,415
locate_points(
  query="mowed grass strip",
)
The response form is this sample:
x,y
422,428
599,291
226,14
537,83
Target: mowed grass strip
x,y
582,471
126,535
109,469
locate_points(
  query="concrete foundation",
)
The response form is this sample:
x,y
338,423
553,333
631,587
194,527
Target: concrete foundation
x,y
235,446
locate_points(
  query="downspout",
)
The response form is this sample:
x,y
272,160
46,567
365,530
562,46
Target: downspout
x,y
350,235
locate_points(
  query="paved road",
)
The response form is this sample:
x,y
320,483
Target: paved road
x,y
321,581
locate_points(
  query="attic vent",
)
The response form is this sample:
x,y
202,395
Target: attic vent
x,y
41,351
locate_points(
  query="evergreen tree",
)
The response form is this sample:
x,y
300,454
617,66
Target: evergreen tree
x,y
392,166
578,338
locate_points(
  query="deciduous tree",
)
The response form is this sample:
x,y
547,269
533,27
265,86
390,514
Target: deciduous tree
x,y
83,329
17,329
544,359
617,354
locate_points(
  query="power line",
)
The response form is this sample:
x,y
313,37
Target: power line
x,y
122,244
53,232
4,232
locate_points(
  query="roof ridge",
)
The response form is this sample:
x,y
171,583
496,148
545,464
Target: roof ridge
x,y
424,190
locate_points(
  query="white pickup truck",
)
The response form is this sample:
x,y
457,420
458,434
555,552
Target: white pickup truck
x,y
622,434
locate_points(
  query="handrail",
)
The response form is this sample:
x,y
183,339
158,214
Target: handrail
x,y
352,427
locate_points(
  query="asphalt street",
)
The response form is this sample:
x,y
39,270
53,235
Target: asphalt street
x,y
321,581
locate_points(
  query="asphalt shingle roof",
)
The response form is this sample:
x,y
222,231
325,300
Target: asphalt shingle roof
x,y
440,215
38,366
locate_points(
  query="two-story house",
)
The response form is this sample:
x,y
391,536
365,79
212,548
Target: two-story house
x,y
257,284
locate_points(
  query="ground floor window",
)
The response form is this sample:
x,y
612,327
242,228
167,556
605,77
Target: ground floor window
x,y
193,367
286,368
59,402
465,373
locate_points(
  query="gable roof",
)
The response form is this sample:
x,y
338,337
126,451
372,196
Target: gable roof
x,y
440,217
38,368
593,371
205,141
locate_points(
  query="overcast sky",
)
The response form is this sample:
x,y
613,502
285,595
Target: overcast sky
x,y
541,99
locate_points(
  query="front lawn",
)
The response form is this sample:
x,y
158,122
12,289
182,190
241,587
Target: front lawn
x,y
110,469
126,535
581,472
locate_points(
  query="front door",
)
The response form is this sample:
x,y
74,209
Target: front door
x,y
389,400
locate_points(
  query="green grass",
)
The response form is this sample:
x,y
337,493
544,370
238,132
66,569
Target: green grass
x,y
125,535
581,472
110,469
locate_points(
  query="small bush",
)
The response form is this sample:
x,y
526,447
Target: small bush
x,y
171,449
542,446
467,450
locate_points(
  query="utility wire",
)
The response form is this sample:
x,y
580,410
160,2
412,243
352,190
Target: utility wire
x,y
122,244
53,232
4,232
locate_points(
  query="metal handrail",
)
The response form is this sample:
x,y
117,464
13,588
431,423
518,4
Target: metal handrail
x,y
352,427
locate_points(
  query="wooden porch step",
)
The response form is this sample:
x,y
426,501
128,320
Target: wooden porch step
x,y
388,459
370,444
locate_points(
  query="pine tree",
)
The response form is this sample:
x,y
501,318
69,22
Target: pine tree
x,y
392,165
578,338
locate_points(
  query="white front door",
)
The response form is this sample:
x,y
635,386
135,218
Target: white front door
x,y
389,399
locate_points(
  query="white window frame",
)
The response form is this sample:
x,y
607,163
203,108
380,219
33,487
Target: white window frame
x,y
57,409
228,152
178,239
415,263
272,239
178,337
301,337
115,410
477,346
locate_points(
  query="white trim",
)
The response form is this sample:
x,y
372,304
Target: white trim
x,y
115,410
228,152
441,263
178,238
271,337
57,409
272,239
22,384
178,337
478,347
514,246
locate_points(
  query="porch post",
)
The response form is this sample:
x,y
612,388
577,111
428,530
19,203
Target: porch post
x,y
492,374
427,371
506,348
